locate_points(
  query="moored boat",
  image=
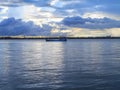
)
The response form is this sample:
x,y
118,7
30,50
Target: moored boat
x,y
57,39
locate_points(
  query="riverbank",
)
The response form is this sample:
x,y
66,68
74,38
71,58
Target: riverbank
x,y
46,37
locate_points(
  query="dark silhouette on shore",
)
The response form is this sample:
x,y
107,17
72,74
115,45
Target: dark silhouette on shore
x,y
55,37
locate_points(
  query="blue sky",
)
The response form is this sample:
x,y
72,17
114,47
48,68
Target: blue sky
x,y
69,17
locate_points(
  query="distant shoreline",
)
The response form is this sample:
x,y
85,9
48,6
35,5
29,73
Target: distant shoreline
x,y
37,37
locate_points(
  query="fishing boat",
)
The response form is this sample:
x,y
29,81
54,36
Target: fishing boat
x,y
57,39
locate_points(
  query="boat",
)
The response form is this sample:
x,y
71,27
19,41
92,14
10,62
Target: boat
x,y
57,39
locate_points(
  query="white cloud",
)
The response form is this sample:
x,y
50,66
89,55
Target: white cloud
x,y
100,15
3,10
39,15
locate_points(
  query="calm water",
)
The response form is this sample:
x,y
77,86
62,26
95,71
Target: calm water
x,y
73,65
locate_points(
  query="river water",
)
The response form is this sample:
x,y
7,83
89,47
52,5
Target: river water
x,y
78,64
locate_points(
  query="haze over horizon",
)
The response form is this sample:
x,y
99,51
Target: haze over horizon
x,y
78,18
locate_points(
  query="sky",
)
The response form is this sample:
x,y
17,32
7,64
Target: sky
x,y
77,18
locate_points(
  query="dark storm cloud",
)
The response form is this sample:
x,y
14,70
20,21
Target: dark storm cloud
x,y
90,23
12,26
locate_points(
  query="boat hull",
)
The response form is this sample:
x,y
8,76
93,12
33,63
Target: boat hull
x,y
56,39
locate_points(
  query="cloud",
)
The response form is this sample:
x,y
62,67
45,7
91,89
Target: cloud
x,y
94,5
3,10
100,15
80,7
16,27
82,14
83,32
10,3
16,3
91,23
63,8
13,27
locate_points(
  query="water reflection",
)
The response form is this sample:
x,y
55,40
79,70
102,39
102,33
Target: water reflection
x,y
4,65
75,64
34,64
41,68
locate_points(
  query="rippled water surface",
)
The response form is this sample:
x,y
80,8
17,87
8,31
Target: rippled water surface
x,y
91,64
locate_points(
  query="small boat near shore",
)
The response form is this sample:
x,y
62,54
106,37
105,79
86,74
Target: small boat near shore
x,y
57,39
